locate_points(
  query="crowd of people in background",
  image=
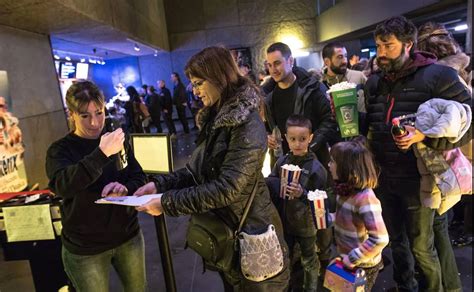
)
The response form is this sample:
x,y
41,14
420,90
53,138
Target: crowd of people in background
x,y
151,109
145,109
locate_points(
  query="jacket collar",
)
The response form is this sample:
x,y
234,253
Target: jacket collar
x,y
417,59
234,111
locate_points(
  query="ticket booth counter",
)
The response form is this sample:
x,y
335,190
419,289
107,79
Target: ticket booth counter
x,y
40,244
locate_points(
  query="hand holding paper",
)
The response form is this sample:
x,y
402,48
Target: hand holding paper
x,y
149,188
153,207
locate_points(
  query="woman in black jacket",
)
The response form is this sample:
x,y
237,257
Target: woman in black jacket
x,y
227,162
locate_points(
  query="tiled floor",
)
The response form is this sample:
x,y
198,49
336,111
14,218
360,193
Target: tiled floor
x,y
15,276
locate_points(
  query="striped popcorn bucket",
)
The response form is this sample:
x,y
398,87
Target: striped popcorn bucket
x,y
320,216
288,176
318,210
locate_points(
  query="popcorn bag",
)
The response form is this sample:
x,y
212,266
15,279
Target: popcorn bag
x,y
344,97
289,173
339,279
318,210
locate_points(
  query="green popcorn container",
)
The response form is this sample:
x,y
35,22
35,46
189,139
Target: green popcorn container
x,y
347,116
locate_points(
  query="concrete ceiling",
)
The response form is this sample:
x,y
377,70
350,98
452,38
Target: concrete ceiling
x,y
74,30
450,13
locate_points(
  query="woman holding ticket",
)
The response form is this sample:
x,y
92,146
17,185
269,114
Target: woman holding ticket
x,y
360,231
226,165
82,168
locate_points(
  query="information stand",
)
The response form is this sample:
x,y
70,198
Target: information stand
x,y
153,152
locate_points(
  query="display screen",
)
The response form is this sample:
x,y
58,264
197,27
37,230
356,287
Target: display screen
x,y
67,70
153,152
82,70
70,70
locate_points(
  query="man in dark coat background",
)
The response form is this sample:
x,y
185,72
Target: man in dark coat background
x,y
180,100
407,79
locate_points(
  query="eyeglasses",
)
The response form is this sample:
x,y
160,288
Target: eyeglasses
x,y
198,84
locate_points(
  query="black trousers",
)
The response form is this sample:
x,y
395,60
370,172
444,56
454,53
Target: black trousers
x,y
182,117
156,121
169,122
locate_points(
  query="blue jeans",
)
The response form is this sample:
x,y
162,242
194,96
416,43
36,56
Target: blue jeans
x,y
91,272
449,269
410,228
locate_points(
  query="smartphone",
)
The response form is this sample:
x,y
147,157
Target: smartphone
x,y
110,124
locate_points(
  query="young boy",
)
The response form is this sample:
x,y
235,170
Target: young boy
x,y
295,212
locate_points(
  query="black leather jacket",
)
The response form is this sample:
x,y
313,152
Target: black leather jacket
x,y
312,102
225,167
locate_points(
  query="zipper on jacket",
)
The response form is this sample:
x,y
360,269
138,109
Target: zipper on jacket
x,y
390,108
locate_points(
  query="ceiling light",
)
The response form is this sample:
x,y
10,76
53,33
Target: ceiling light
x,y
92,61
364,50
300,53
68,58
83,60
461,27
56,57
293,42
156,53
136,48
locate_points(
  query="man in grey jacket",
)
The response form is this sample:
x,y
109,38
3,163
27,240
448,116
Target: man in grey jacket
x,y
335,60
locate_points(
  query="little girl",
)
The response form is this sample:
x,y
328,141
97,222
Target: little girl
x,y
360,231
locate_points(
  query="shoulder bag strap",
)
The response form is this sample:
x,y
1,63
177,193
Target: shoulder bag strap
x,y
247,206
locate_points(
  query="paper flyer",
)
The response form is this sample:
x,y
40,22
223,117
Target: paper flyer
x,y
26,223
133,201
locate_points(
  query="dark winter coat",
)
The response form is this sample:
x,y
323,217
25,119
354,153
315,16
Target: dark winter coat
x,y
154,105
225,167
296,214
179,95
167,102
392,96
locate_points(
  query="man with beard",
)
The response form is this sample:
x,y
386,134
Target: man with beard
x,y
407,79
336,71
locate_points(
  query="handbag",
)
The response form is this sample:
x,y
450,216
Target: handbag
x,y
213,240
261,255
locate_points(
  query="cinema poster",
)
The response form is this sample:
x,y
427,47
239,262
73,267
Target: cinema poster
x,y
12,166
